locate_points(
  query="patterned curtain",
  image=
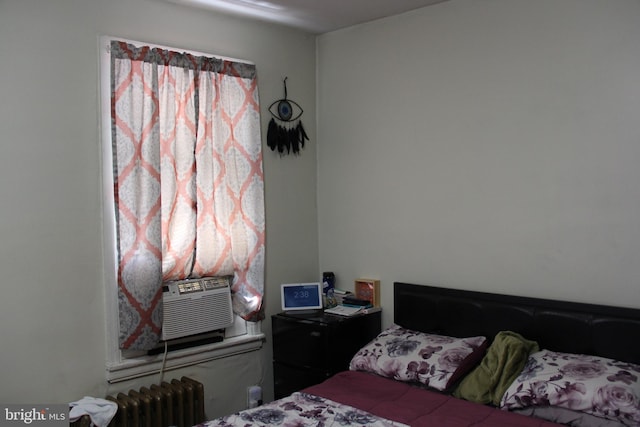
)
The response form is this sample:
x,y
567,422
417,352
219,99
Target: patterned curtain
x,y
188,181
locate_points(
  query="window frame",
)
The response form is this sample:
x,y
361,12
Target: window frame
x,y
119,366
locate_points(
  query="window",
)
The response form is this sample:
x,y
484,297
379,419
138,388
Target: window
x,y
183,182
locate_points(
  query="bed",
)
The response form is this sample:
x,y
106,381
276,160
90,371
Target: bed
x,y
484,360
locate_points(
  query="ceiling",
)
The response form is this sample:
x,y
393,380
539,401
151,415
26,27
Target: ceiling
x,y
314,16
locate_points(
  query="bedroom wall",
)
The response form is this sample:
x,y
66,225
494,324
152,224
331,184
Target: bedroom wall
x,y
487,145
52,322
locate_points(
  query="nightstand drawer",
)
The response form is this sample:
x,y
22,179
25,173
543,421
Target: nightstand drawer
x,y
300,343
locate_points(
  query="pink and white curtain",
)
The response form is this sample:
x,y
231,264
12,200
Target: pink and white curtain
x,y
188,181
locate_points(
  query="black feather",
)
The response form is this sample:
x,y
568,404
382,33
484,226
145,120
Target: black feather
x,y
272,135
303,134
293,139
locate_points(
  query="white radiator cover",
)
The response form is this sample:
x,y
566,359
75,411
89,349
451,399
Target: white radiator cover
x,y
195,306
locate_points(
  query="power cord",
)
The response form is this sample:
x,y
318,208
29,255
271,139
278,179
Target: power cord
x,y
164,361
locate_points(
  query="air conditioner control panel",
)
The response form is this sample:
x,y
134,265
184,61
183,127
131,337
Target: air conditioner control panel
x,y
189,286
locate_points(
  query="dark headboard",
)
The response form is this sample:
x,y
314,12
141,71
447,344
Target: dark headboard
x,y
600,330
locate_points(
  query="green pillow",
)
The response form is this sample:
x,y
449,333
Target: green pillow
x,y
505,359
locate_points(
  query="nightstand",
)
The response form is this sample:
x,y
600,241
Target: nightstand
x,y
309,348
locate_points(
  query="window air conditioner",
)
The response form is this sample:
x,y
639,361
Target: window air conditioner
x,y
195,306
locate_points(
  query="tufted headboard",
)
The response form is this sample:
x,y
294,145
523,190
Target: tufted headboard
x,y
599,330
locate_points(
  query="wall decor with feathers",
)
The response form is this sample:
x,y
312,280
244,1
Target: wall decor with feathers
x,y
284,135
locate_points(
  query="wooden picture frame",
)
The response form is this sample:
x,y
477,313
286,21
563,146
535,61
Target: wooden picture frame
x,y
368,289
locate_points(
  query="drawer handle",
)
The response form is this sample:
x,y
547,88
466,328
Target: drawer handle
x,y
315,334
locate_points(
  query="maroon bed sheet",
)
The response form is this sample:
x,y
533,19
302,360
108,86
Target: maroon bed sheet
x,y
415,406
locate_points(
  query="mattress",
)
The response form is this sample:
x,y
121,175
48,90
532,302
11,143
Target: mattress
x,y
414,406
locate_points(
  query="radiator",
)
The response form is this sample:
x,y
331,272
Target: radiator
x,y
176,403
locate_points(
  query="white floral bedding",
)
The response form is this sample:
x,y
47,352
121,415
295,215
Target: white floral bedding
x,y
302,409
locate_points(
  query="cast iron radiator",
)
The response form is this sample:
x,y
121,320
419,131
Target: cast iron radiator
x,y
176,403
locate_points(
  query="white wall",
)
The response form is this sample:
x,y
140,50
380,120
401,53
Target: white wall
x,y
490,145
52,325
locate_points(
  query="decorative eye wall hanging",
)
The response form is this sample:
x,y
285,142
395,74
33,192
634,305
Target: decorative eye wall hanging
x,y
285,135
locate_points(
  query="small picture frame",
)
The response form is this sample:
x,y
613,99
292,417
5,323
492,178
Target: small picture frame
x,y
368,289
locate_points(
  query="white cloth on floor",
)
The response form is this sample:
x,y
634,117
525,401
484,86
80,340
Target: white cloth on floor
x,y
101,411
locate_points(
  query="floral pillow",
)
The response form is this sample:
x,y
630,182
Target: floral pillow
x,y
594,385
435,361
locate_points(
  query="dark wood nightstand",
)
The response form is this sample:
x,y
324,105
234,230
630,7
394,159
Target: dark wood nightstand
x,y
309,348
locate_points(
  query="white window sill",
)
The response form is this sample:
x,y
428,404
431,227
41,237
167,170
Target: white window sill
x,y
147,365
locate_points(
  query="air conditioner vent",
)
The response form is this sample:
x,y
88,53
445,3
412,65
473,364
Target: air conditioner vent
x,y
195,306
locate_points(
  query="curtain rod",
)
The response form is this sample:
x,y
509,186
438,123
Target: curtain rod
x,y
108,39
